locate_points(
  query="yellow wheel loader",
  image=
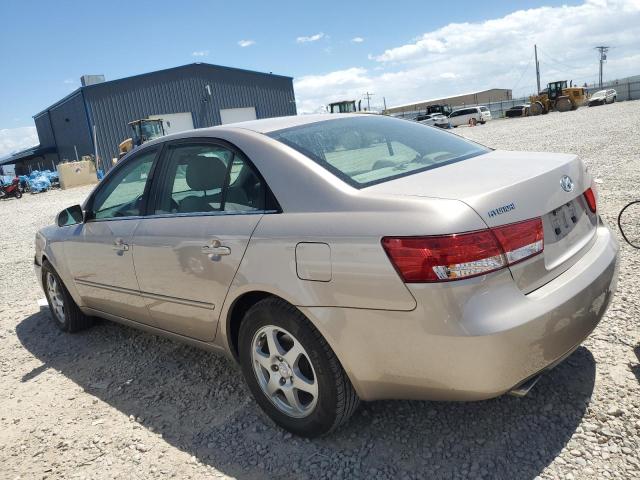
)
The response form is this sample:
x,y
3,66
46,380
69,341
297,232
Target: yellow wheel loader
x,y
557,96
143,130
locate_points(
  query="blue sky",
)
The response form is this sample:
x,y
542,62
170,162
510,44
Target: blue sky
x,y
45,46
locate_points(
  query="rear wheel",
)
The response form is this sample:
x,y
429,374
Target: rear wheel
x,y
64,310
292,372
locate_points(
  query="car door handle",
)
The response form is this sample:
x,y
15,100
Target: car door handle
x,y
120,246
216,250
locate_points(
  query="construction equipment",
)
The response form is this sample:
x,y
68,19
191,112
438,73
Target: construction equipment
x,y
557,96
345,106
144,130
442,109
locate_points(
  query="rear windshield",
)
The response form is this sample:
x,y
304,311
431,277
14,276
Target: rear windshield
x,y
371,149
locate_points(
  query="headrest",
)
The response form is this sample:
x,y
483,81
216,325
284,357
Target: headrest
x,y
205,173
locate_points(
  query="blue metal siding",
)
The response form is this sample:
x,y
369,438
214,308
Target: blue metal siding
x,y
113,105
45,133
70,128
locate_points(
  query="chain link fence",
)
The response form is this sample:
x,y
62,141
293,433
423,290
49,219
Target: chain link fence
x,y
625,90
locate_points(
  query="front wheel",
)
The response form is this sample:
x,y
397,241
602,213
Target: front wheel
x,y
18,193
66,313
292,372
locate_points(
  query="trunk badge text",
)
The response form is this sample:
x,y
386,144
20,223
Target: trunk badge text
x,y
501,210
566,183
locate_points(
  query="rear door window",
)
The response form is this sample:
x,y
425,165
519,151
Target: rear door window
x,y
204,178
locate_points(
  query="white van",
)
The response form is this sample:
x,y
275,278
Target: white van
x,y
465,116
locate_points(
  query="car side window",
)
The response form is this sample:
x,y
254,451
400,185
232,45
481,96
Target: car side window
x,y
121,195
202,178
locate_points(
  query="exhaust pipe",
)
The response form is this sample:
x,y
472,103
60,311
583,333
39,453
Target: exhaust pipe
x,y
524,388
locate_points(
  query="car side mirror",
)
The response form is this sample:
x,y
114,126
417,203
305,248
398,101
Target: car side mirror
x,y
70,216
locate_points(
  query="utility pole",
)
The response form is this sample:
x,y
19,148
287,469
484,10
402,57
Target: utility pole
x,y
535,49
368,97
603,58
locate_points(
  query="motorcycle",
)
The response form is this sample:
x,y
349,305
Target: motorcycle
x,y
12,189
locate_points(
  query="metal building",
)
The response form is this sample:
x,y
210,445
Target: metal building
x,y
93,119
473,98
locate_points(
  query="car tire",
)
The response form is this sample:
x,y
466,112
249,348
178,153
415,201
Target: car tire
x,y
65,312
265,371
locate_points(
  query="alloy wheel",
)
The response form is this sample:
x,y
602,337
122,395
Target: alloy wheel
x,y
284,371
55,297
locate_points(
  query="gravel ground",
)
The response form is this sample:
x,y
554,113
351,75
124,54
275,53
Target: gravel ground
x,y
113,402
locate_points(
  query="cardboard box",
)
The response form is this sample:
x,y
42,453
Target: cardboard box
x,y
76,174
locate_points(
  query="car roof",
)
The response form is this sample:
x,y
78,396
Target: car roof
x,y
267,125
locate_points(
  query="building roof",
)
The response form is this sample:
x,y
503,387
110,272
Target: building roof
x,y
26,154
141,75
438,99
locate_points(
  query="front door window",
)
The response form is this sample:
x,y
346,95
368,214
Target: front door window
x,y
121,196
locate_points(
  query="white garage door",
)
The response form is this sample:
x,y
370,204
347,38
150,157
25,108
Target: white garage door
x,y
233,115
175,122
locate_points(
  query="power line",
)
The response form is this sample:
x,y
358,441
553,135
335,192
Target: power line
x,y
571,67
526,67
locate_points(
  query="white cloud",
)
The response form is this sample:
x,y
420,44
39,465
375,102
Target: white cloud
x,y
200,53
311,38
16,139
246,43
69,81
357,39
497,53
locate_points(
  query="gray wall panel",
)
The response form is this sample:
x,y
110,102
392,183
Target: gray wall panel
x,y
113,104
70,128
45,133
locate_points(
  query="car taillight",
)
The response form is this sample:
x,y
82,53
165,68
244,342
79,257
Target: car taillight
x,y
590,197
464,255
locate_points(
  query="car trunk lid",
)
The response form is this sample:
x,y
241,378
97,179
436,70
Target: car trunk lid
x,y
506,187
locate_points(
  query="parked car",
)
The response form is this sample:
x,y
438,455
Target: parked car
x,y
518,111
433,120
602,97
414,265
469,116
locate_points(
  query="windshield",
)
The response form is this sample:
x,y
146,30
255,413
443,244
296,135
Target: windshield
x,y
600,93
343,107
151,130
371,149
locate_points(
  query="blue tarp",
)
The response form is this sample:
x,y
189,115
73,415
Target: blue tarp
x,y
6,179
40,181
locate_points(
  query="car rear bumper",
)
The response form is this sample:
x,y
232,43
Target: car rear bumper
x,y
473,339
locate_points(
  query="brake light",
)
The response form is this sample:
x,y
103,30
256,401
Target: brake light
x,y
521,240
464,255
590,197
